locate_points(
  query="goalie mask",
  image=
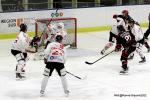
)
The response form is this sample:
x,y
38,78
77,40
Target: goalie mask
x,y
60,25
23,27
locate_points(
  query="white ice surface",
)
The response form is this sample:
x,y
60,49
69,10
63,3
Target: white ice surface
x,y
102,81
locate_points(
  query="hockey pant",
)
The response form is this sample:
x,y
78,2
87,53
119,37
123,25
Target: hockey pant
x,y
124,56
47,73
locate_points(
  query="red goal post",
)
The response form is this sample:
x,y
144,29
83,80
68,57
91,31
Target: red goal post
x,y
70,25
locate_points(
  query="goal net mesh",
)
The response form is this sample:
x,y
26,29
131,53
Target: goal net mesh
x,y
70,25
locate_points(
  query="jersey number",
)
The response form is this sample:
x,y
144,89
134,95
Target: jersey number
x,y
127,38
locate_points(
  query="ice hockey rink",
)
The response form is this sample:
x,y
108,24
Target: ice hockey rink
x,y
101,80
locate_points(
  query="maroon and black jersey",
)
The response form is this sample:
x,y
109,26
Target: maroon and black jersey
x,y
127,39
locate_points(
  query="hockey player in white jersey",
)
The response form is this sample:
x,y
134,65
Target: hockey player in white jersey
x,y
18,49
48,36
113,33
55,57
139,37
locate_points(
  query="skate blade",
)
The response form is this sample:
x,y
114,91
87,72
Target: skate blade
x,y
124,73
20,79
67,95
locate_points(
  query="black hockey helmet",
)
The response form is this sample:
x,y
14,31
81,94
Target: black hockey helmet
x,y
23,27
58,38
130,21
121,28
115,16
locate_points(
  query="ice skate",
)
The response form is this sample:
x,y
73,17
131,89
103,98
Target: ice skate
x,y
143,60
41,93
124,71
19,76
67,93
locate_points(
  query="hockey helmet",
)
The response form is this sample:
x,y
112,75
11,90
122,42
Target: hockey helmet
x,y
121,28
23,27
115,16
58,38
125,12
131,21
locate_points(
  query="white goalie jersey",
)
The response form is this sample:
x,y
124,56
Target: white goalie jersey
x,y
21,43
55,52
55,29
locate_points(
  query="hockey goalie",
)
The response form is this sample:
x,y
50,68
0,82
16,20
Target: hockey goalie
x,y
48,35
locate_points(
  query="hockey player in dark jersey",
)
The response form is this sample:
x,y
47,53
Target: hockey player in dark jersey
x,y
146,34
127,39
127,17
125,13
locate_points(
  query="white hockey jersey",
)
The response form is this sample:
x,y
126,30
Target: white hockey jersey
x,y
21,43
137,31
55,52
120,21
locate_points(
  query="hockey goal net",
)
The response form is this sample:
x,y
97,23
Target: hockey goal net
x,y
70,25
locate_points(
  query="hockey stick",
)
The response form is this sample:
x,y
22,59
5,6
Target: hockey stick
x,y
75,76
90,63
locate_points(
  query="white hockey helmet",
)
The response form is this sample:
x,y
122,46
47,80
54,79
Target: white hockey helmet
x,y
60,25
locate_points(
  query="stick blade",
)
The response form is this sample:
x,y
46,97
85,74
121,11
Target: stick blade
x,y
88,63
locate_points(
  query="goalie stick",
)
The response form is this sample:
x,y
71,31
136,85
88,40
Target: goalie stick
x,y
49,22
41,36
75,76
90,63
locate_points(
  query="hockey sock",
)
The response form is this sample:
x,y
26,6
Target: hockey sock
x,y
64,83
44,83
